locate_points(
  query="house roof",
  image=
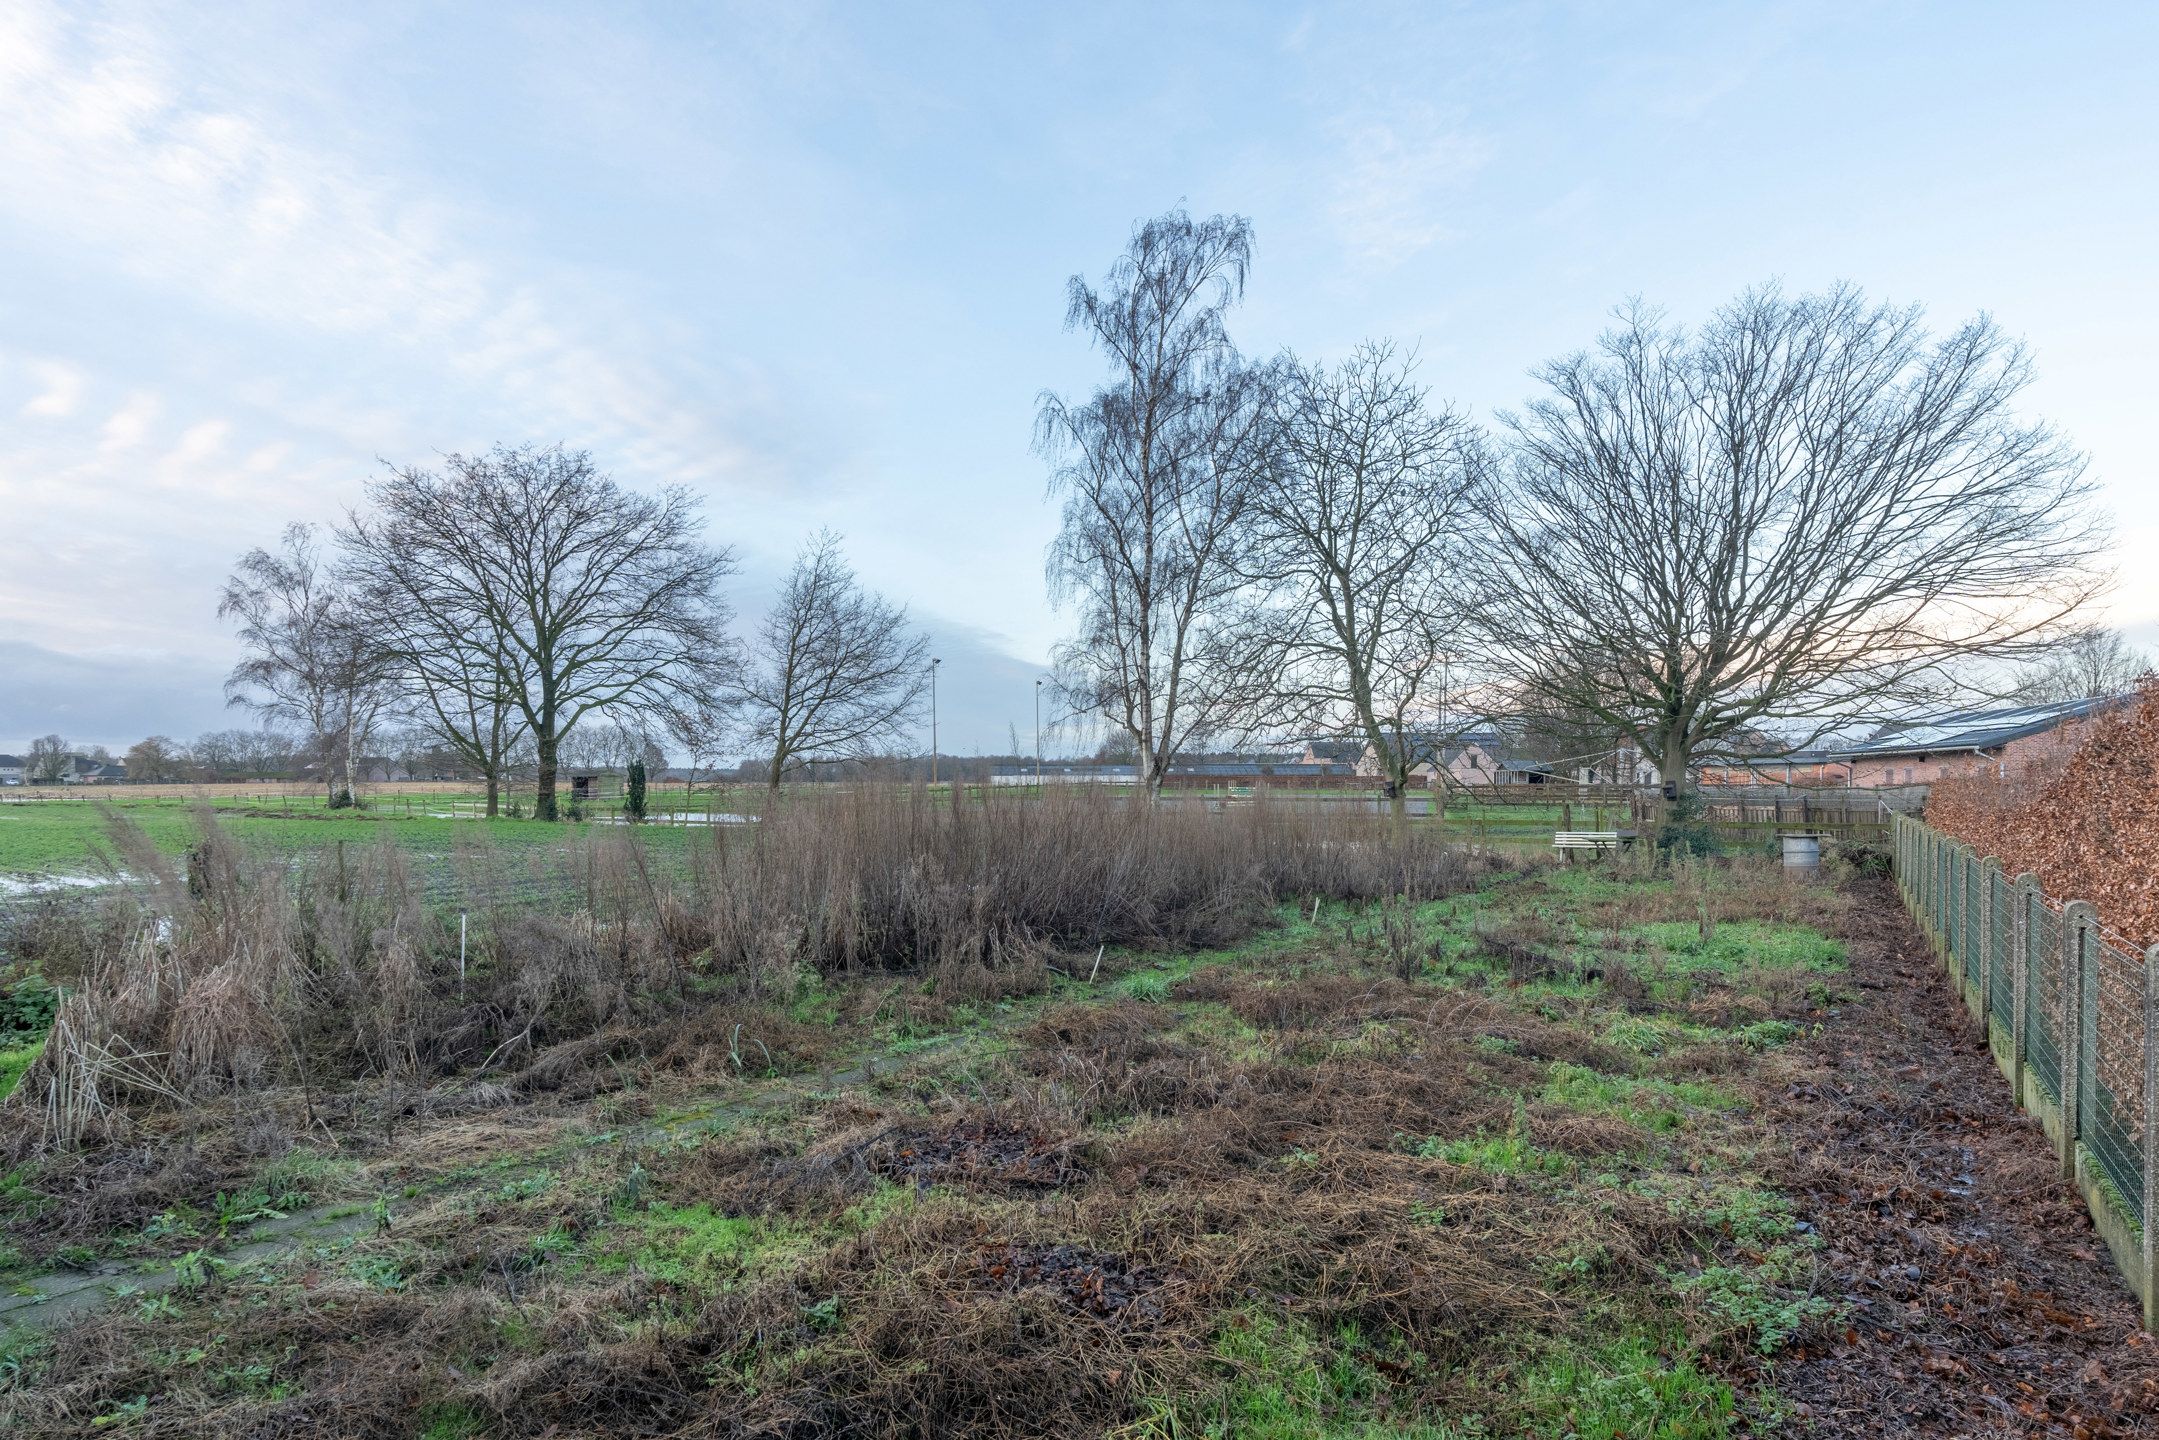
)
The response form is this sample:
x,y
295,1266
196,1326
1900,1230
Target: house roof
x,y
1958,730
1975,729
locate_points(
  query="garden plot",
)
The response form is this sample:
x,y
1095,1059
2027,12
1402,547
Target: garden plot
x,y
1512,1158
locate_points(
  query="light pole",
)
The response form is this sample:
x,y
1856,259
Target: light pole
x,y
934,663
1038,738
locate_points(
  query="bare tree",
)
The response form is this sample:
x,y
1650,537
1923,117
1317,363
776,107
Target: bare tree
x,y
1808,511
310,659
2095,662
454,659
579,598
1357,533
1156,473
158,760
50,761
834,672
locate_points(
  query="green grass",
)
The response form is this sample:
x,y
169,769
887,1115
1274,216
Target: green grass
x,y
13,1063
1738,944
1288,1384
1658,1104
1636,1386
69,837
1508,1154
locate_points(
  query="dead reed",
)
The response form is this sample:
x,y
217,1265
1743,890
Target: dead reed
x,y
232,972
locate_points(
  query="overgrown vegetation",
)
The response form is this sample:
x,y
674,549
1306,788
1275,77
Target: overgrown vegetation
x,y
903,1123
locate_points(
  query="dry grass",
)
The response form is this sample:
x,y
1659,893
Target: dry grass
x,y
1111,1210
231,974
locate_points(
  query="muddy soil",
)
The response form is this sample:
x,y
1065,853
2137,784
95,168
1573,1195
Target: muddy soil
x,y
1981,1300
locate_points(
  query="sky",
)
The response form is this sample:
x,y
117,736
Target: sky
x,y
809,260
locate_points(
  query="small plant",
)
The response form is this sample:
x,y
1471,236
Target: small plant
x,y
192,1271
127,1413
633,801
157,1307
165,1225
635,1185
382,1272
1151,986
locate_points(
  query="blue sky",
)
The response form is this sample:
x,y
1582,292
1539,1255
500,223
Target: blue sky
x,y
810,259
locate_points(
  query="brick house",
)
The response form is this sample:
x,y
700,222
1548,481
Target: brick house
x,y
1923,750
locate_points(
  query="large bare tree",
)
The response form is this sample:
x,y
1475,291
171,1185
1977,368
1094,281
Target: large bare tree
x,y
1156,472
834,671
1358,534
454,659
309,658
1810,511
578,597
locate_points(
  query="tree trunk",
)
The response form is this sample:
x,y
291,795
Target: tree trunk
x,y
1673,755
494,791
543,802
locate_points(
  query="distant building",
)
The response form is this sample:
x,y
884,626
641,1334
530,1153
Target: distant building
x,y
1922,750
12,769
1080,772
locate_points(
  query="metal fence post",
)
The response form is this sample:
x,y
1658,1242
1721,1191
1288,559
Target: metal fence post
x,y
2079,923
1960,914
2150,1256
1990,884
2020,992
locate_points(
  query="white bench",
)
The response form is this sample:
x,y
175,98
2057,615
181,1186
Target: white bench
x,y
1594,842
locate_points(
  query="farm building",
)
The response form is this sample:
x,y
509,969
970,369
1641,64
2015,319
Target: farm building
x,y
1922,750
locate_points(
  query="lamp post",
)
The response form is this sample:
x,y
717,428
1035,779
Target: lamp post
x,y
934,663
1038,737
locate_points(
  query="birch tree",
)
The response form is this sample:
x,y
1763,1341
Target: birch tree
x,y
309,658
1156,473
1810,511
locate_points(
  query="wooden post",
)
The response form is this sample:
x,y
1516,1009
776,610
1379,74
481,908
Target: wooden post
x,y
2079,924
2150,1256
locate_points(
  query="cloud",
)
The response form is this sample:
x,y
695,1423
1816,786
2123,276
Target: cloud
x,y
113,153
106,698
127,426
1399,183
63,387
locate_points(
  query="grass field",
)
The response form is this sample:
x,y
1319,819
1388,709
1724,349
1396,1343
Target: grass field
x,y
68,837
1489,1165
64,834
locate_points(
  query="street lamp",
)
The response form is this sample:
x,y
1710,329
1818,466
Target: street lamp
x,y
934,663
1038,737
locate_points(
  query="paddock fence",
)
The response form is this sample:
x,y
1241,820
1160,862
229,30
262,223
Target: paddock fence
x,y
2071,1011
